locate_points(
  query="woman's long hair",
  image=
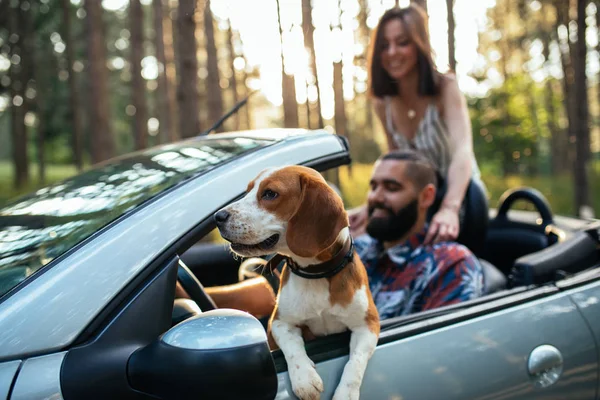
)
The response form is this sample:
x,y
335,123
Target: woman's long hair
x,y
414,20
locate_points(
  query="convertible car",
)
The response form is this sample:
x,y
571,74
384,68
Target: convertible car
x,y
88,269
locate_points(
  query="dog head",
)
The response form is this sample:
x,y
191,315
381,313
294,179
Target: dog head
x,y
290,210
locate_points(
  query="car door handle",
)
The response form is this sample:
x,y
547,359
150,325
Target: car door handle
x,y
545,365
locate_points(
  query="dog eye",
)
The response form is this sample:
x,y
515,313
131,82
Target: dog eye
x,y
269,194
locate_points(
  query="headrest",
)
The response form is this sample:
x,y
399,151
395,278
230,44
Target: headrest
x,y
473,216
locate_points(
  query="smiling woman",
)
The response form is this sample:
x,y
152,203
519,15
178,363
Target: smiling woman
x,y
422,109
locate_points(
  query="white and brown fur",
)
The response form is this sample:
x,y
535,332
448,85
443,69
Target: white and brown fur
x,y
313,226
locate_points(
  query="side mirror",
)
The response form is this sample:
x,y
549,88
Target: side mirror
x,y
218,354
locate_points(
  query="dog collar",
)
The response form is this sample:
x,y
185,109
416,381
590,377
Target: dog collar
x,y
328,268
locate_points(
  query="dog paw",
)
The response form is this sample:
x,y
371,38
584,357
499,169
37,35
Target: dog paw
x,y
306,382
346,392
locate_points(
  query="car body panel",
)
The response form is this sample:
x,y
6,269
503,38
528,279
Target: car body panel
x,y
482,358
39,378
65,298
587,299
8,372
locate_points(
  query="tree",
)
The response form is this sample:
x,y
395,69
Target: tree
x,y
102,139
213,87
76,123
19,20
451,32
140,124
163,42
288,83
581,128
341,123
567,59
421,3
233,78
41,75
309,44
187,88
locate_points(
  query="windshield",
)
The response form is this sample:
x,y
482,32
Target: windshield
x,y
40,227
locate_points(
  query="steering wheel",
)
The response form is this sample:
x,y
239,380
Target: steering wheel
x,y
539,202
194,288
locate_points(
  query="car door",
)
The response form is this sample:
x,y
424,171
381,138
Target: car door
x,y
528,345
584,290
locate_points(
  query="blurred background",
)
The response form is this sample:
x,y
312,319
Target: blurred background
x,y
82,81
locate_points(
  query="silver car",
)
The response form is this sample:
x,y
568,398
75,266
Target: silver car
x,y
88,269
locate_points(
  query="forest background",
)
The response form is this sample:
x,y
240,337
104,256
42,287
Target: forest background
x,y
82,81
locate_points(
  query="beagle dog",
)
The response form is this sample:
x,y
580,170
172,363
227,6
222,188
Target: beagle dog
x,y
324,287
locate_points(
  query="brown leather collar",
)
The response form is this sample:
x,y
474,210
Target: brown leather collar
x,y
318,271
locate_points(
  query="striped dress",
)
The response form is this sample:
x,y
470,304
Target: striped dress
x,y
431,138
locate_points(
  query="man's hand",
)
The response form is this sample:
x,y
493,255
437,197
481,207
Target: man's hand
x,y
358,218
444,226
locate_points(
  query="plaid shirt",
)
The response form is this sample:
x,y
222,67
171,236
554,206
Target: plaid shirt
x,y
412,277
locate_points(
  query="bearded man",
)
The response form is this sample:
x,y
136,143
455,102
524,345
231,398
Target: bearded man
x,y
409,272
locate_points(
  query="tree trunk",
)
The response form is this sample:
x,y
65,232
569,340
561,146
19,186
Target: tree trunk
x,y
308,29
187,89
213,87
597,2
422,3
582,132
76,122
170,71
504,47
567,59
140,124
341,123
246,92
41,87
555,133
102,139
233,78
340,120
451,36
364,33
19,25
558,137
165,116
288,84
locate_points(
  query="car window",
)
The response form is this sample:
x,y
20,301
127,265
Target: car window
x,y
37,228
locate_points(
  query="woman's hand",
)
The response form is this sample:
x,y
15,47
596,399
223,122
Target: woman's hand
x,y
444,226
358,220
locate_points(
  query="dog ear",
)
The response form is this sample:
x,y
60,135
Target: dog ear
x,y
318,220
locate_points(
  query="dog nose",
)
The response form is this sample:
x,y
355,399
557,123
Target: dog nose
x,y
221,216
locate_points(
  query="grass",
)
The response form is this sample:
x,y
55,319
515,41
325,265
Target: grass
x,y
354,184
54,173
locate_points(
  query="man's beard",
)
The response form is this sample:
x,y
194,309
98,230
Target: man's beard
x,y
394,227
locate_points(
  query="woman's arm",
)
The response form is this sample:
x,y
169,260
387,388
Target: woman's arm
x,y
445,225
456,117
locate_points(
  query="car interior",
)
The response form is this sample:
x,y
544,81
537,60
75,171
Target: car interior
x,y
515,256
